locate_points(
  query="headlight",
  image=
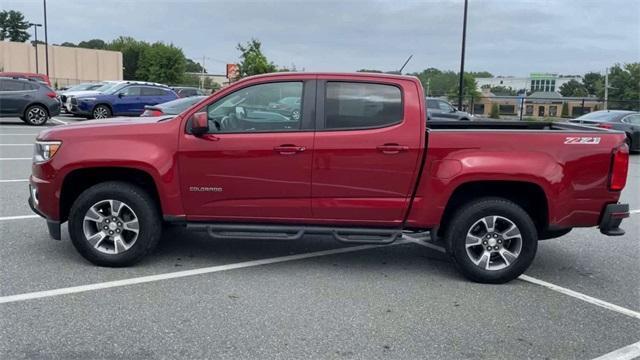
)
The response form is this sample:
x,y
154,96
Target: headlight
x,y
45,150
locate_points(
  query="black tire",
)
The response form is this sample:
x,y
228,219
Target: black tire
x,y
101,111
470,213
36,115
142,204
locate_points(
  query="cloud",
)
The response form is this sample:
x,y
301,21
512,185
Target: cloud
x,y
504,37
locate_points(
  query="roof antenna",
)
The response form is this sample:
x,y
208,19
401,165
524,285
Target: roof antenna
x,y
405,63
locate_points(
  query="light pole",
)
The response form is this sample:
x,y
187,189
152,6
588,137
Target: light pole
x,y
46,39
464,35
35,30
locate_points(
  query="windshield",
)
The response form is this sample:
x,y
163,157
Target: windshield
x,y
175,107
87,86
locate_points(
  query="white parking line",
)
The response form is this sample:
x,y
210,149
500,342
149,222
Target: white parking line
x,y
632,212
16,144
16,158
59,121
21,217
13,180
14,134
626,353
560,289
181,274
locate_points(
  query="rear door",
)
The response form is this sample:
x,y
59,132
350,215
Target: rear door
x,y
15,95
366,150
255,164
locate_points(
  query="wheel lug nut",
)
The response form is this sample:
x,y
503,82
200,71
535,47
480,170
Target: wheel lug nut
x,y
110,232
496,247
499,241
118,230
483,243
119,224
107,221
488,248
114,219
106,227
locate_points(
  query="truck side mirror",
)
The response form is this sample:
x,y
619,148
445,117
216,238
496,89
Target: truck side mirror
x,y
199,123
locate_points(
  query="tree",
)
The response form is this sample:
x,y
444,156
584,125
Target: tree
x,y
469,90
495,112
93,44
624,82
502,90
370,71
480,74
13,26
565,110
438,82
573,88
193,67
131,50
68,44
161,63
253,61
594,83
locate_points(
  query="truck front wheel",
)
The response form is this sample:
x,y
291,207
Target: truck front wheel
x,y
114,224
492,240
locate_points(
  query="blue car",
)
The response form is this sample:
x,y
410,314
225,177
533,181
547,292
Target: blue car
x,y
122,98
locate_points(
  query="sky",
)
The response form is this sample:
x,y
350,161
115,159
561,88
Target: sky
x,y
504,37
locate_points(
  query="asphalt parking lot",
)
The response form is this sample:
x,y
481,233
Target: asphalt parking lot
x,y
199,298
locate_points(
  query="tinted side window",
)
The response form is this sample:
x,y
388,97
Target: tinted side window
x,y
632,119
30,86
131,91
361,105
151,91
13,85
432,105
258,108
444,106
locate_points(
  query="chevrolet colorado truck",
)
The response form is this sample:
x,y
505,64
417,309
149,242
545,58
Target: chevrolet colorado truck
x,y
353,159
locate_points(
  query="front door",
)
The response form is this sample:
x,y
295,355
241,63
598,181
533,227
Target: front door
x,y
366,152
255,162
128,101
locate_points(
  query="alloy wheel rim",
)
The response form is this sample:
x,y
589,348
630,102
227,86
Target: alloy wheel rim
x,y
111,226
37,116
493,243
100,113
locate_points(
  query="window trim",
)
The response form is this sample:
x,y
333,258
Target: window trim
x,y
308,111
322,97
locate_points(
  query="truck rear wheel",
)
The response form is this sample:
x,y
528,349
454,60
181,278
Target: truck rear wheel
x,y
114,224
492,240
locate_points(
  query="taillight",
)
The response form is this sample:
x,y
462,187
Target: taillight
x,y
152,113
52,94
605,126
619,168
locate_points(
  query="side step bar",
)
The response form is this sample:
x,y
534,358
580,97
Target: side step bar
x,y
284,232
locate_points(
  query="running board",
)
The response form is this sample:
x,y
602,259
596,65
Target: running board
x,y
284,232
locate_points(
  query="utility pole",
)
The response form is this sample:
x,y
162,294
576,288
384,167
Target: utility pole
x,y
46,39
35,29
606,88
202,76
464,35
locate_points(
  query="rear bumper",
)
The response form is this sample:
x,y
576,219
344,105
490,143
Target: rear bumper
x,y
612,216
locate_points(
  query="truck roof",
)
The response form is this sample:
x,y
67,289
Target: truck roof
x,y
350,74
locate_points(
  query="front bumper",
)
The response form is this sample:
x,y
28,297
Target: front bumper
x,y
612,217
52,225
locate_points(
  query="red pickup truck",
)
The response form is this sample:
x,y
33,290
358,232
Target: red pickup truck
x,y
349,155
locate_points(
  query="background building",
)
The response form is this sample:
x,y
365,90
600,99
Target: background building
x,y
543,82
67,65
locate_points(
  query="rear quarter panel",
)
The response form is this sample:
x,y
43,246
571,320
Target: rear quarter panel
x,y
573,176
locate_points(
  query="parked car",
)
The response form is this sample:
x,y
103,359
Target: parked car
x,y
187,91
438,109
75,89
125,98
623,120
358,165
31,101
105,87
25,75
173,107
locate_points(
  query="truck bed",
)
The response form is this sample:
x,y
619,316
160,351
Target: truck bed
x,y
508,125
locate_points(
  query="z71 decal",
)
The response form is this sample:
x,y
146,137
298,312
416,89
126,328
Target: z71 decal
x,y
582,140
